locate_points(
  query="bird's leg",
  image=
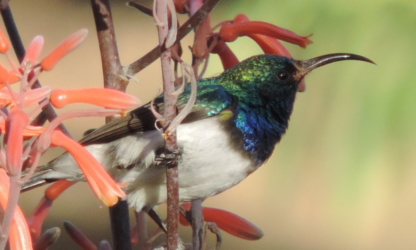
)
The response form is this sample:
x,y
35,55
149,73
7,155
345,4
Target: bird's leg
x,y
169,158
211,226
197,222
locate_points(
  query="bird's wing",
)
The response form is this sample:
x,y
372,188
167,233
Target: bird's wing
x,y
138,120
211,101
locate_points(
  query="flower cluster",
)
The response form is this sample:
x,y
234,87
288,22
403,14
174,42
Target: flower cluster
x,y
24,141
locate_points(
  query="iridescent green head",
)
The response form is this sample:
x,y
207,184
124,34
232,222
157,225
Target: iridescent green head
x,y
264,89
271,71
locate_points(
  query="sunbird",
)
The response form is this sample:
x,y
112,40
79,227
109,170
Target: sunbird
x,y
236,121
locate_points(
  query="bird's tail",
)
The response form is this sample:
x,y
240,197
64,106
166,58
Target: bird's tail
x,y
37,179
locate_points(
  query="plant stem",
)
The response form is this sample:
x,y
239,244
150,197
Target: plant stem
x,y
112,69
172,176
197,224
14,192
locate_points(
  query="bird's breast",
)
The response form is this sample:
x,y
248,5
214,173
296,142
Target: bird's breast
x,y
210,164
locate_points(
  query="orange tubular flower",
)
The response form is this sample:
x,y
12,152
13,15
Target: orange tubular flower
x,y
229,222
4,76
56,189
29,97
28,131
7,76
19,233
32,131
228,58
230,32
108,98
104,187
181,6
36,220
33,52
68,45
268,44
4,42
18,121
38,217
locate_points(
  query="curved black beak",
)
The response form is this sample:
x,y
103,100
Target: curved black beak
x,y
306,66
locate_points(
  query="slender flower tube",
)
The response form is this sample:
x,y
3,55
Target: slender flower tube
x,y
229,222
181,6
18,121
30,97
104,187
33,51
36,220
4,75
4,42
108,98
269,45
56,189
19,232
228,58
231,31
68,45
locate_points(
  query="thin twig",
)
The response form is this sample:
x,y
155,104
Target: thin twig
x,y
140,7
141,220
189,25
172,184
112,68
197,219
112,71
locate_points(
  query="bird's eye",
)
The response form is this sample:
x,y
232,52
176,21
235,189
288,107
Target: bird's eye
x,y
282,75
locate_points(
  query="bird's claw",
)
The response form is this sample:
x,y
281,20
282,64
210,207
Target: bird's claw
x,y
169,158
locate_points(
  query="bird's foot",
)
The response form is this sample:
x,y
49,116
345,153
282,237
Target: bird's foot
x,y
169,158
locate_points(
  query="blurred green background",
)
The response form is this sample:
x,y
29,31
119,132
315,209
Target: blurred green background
x,y
343,177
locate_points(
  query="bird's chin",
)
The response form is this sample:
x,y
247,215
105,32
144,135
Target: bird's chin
x,y
302,86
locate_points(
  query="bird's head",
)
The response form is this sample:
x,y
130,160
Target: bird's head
x,y
271,73
264,89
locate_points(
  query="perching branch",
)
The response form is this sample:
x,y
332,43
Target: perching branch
x,y
172,183
197,222
112,70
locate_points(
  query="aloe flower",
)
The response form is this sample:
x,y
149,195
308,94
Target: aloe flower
x,y
20,136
